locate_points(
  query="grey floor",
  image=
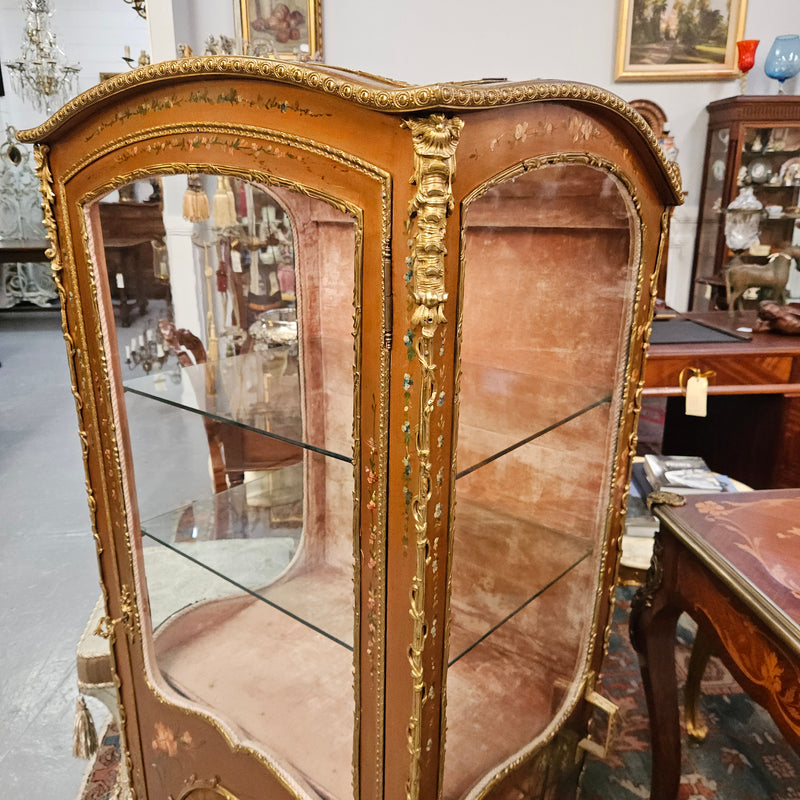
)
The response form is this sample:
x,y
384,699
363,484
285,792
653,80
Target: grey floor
x,y
49,580
48,571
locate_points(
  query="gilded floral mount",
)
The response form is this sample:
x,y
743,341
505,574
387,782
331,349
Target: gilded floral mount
x,y
435,139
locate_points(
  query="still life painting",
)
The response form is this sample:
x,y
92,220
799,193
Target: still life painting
x,y
287,29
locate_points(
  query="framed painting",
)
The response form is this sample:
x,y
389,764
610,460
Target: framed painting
x,y
661,40
285,29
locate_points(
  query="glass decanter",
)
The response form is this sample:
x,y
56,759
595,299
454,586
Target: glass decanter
x,y
743,220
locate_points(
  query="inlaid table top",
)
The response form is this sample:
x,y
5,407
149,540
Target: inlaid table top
x,y
751,541
732,563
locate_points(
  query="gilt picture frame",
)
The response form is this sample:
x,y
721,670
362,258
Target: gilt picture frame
x,y
663,40
290,30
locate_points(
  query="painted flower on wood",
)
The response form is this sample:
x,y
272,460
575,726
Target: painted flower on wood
x,y
165,740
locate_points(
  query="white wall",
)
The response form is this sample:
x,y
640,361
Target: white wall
x,y
90,32
424,41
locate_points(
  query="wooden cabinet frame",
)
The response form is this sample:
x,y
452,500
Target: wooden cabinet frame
x,y
405,164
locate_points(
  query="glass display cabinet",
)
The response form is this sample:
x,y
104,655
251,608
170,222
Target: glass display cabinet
x,y
753,143
356,478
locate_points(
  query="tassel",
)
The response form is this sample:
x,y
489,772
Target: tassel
x,y
222,213
199,210
84,735
195,201
231,201
188,204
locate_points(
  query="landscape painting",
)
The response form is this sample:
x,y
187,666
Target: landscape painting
x,y
679,39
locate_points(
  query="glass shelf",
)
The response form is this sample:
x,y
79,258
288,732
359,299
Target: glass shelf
x,y
250,391
230,533
759,153
230,540
499,597
236,655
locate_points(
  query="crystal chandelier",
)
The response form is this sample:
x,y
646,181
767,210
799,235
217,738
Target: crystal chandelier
x,y
41,75
138,6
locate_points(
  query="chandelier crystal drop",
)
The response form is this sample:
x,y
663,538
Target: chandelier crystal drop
x,y
41,75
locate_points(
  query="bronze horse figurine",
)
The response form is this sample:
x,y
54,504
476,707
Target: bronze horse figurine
x,y
774,275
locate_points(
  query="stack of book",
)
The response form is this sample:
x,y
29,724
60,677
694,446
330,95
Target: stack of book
x,y
678,474
682,475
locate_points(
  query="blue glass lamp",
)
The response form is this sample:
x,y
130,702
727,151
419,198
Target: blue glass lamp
x,y
783,59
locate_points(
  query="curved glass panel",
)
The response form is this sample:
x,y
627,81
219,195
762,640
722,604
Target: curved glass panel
x,y
232,306
545,319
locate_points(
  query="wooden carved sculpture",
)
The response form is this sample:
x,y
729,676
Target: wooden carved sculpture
x,y
774,275
780,319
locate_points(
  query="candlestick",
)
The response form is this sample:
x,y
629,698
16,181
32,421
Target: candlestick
x,y
146,351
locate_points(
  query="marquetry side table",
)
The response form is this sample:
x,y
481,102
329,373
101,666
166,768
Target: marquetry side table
x,y
732,562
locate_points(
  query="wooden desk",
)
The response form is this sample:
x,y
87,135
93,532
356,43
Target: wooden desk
x,y
14,250
25,274
752,431
732,562
128,230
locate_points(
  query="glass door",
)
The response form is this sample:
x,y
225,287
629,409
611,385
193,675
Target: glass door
x,y
236,358
545,324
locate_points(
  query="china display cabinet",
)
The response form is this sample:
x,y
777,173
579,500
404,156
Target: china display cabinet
x,y
753,143
357,481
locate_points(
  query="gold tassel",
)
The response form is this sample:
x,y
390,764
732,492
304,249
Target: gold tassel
x,y
222,213
84,734
188,204
203,209
231,201
195,201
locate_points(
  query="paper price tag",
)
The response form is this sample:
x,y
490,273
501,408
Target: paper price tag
x,y
236,261
696,396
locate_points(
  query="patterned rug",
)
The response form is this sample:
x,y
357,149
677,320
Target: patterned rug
x,y
101,775
743,757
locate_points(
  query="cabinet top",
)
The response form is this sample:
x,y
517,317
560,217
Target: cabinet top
x,y
359,88
744,107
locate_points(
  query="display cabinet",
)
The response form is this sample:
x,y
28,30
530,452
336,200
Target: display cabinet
x,y
753,141
357,481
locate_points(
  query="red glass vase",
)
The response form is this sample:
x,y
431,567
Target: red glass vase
x,y
747,57
747,53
